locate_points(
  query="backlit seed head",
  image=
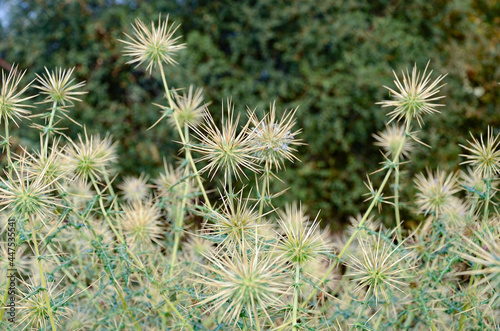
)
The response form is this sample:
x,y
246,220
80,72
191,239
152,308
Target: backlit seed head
x,y
58,86
236,224
24,195
274,139
90,157
155,46
79,193
391,139
484,252
483,157
369,227
188,108
300,242
135,188
33,313
52,164
435,192
12,102
415,96
226,149
244,281
141,223
380,268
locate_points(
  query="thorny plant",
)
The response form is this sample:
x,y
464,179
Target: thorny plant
x,y
163,254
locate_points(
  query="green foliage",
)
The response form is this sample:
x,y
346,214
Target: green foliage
x,y
327,57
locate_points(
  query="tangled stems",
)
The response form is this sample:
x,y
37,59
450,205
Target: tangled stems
x,y
42,276
132,254
365,216
183,139
179,220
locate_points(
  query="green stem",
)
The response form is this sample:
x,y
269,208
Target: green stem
x,y
7,146
183,139
486,205
396,201
263,191
363,220
42,276
296,296
51,121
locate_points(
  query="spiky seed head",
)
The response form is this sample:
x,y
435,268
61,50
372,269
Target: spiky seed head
x,y
12,102
135,188
33,308
169,184
415,96
472,181
300,242
483,157
274,138
52,164
391,139
22,261
244,281
58,86
90,156
435,192
380,269
79,193
24,195
483,251
155,46
225,149
188,108
198,247
141,223
236,224
370,226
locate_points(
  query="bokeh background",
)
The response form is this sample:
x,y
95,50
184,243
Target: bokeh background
x,y
329,57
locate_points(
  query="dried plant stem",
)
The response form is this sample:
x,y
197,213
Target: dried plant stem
x,y
42,275
296,296
365,216
257,324
184,139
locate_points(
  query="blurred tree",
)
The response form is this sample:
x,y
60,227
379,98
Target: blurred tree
x,y
330,57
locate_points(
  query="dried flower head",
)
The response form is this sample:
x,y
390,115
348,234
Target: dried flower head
x,y
244,282
225,149
301,243
141,223
274,139
435,192
416,96
484,252
484,158
391,139
236,224
12,103
58,86
33,307
135,188
91,157
152,46
51,163
188,108
379,269
25,195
